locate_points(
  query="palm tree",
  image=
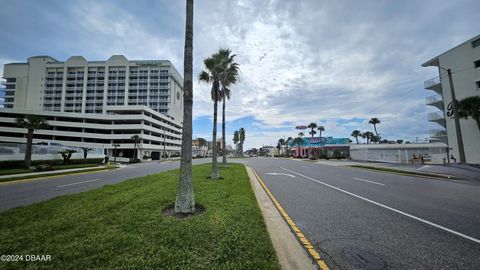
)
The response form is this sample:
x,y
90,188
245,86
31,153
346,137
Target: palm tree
x,y
136,140
228,77
298,141
356,133
287,142
216,66
470,107
236,139
320,129
312,126
399,141
185,200
375,121
367,135
241,136
281,142
85,151
31,123
201,143
300,134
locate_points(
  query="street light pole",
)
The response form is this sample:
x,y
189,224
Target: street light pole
x,y
456,117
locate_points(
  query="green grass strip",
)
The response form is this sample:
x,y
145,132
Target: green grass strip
x,y
122,227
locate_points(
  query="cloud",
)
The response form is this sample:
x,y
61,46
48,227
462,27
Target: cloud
x,y
300,62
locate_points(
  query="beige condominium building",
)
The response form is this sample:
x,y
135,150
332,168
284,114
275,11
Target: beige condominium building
x,y
96,104
464,63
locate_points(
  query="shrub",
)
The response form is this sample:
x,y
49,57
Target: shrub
x,y
43,167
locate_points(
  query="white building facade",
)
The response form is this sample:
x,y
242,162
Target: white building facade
x,y
464,63
97,103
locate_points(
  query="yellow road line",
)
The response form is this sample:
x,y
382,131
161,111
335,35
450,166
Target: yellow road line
x,y
300,236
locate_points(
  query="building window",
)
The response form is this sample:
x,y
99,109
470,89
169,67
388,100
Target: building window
x,y
476,43
477,64
478,85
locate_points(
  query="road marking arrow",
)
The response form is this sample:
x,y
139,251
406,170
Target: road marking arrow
x,y
286,174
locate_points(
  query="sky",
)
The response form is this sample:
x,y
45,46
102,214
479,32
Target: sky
x,y
335,63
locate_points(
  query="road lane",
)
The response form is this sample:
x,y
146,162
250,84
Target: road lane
x,y
346,229
13,194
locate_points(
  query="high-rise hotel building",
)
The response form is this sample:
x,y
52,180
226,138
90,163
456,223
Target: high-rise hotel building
x,y
464,63
96,103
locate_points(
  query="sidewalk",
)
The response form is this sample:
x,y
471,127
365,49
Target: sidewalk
x,y
35,174
457,171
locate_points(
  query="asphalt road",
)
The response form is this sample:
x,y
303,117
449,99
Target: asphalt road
x,y
360,219
19,193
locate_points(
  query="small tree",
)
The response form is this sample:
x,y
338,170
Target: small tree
x,y
241,136
356,133
66,155
298,141
236,139
85,151
136,140
281,142
202,143
470,107
399,141
31,123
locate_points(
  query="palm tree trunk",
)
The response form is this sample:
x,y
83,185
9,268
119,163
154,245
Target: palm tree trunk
x,y
224,147
185,201
375,128
356,138
28,151
214,139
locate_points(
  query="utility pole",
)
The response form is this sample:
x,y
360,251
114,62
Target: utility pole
x,y
115,153
456,118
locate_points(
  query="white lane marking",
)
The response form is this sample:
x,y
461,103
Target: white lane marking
x,y
305,167
77,183
368,181
286,174
389,208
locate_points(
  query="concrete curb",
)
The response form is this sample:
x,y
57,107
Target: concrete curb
x,y
289,250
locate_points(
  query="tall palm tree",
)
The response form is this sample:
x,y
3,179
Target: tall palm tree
x,y
298,141
31,123
228,77
136,140
241,136
236,139
356,133
313,126
470,107
320,129
215,66
375,121
281,142
185,200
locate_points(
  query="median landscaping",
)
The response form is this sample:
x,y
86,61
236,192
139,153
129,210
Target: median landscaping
x,y
123,226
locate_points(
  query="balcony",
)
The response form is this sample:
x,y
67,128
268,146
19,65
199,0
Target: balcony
x,y
438,118
436,101
434,84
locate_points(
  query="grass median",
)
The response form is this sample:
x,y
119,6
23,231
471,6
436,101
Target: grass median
x,y
122,226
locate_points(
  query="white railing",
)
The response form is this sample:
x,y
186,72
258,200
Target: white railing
x,y
435,116
433,99
433,81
